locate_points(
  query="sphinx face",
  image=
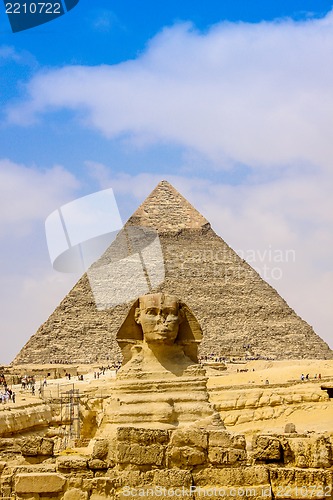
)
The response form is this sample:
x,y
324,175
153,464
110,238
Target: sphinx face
x,y
159,318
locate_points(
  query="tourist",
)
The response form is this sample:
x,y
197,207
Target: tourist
x,y
13,397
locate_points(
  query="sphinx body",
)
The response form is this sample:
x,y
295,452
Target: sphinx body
x,y
160,383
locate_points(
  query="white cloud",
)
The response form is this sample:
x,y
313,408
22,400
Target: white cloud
x,y
8,53
27,299
29,288
29,194
258,94
104,20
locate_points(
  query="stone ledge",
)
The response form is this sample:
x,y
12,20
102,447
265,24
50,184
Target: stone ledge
x,y
39,483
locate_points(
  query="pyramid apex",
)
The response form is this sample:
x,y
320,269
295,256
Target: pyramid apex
x,y
166,210
164,182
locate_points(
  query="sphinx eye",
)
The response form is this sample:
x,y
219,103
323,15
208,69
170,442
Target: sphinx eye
x,y
151,311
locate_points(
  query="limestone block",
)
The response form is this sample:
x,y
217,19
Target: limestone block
x,y
139,454
238,441
185,457
6,480
39,483
313,451
232,476
10,445
87,483
72,462
46,447
223,456
296,483
289,428
137,484
167,478
103,488
75,494
266,448
219,438
6,491
100,449
225,448
189,436
31,445
127,477
32,468
75,482
275,400
251,402
231,482
96,464
35,445
142,436
23,419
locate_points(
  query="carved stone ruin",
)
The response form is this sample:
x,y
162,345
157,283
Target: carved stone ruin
x,y
160,383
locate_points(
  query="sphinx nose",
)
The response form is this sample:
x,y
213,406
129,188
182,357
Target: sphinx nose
x,y
160,318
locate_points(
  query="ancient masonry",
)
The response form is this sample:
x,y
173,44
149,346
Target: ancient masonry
x,y
154,463
233,304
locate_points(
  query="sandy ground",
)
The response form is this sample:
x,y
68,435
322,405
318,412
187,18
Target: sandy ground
x,y
316,417
308,417
55,387
276,372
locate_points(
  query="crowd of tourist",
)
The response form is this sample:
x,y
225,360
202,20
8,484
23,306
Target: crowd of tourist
x,y
307,377
214,358
6,394
28,382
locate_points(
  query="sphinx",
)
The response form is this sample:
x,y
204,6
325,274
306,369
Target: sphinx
x,y
160,384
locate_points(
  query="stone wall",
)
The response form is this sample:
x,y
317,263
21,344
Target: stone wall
x,y
188,462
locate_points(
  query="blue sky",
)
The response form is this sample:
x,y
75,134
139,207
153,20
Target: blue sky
x,y
229,100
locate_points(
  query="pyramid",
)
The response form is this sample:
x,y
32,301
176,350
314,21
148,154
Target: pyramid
x,y
233,304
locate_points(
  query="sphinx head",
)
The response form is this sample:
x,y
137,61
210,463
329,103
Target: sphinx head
x,y
159,316
157,319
